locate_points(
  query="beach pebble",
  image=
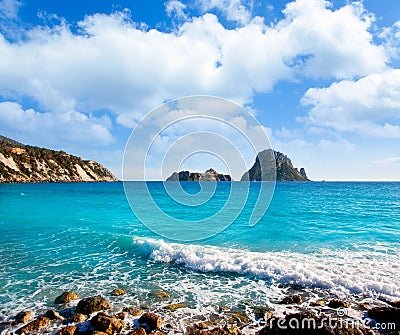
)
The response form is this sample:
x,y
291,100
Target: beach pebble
x,y
53,315
133,311
292,299
138,331
93,304
153,321
34,326
69,330
107,324
117,292
336,303
78,318
66,297
23,317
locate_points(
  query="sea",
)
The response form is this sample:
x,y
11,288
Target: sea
x,y
322,239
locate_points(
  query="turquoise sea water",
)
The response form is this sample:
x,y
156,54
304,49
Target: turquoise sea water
x,y
341,238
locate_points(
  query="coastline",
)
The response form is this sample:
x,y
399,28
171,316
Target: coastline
x,y
163,314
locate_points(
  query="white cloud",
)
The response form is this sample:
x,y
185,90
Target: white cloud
x,y
234,10
9,8
388,161
370,105
391,37
175,8
55,130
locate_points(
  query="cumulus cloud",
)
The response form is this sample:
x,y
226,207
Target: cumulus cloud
x,y
233,10
53,129
370,105
9,8
175,8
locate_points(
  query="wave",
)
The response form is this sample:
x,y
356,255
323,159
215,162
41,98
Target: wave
x,y
370,273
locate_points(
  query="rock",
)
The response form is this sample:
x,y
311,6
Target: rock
x,y
193,330
396,303
133,311
23,317
138,331
336,303
153,321
239,316
107,324
174,307
53,315
318,303
203,325
78,318
292,299
389,314
34,326
160,294
68,330
223,308
262,313
121,315
308,323
209,175
117,292
66,297
92,304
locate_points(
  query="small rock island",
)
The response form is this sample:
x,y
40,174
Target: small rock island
x,y
209,175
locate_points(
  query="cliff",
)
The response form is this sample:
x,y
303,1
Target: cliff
x,y
209,175
284,168
21,163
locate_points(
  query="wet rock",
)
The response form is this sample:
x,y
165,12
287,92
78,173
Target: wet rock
x,y
107,324
389,314
23,317
117,292
308,323
292,299
223,308
153,321
78,318
138,331
192,330
160,294
34,326
53,315
203,325
318,303
237,315
93,304
174,307
133,311
336,303
66,297
262,313
69,330
121,315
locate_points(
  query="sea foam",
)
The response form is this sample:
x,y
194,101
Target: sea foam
x,y
370,273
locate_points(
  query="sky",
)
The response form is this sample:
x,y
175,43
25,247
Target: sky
x,y
321,77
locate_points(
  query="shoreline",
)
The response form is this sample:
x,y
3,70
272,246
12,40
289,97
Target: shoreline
x,y
108,314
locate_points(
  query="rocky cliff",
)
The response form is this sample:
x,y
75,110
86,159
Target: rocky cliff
x,y
284,168
209,175
21,163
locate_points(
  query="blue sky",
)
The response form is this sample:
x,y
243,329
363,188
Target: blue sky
x,y
322,77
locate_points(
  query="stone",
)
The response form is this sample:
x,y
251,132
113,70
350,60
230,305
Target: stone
x,y
117,292
174,307
138,331
66,297
292,299
318,303
78,318
396,303
336,303
223,308
24,317
92,304
133,311
53,315
203,325
107,324
34,326
389,314
192,330
160,294
68,330
153,321
121,315
261,312
239,316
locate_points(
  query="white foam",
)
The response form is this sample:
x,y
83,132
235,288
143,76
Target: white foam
x,y
370,273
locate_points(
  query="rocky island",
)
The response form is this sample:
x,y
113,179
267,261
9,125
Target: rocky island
x,y
209,175
285,171
21,163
